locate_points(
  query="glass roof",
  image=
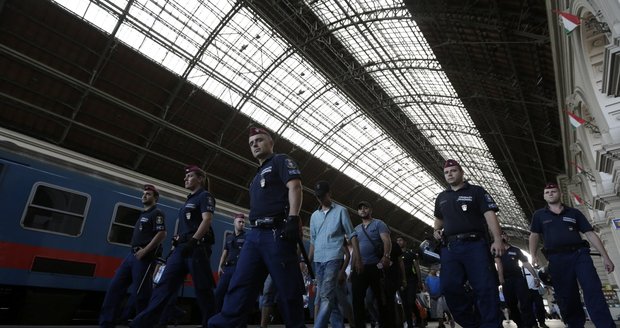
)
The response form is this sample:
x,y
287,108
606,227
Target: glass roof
x,y
228,51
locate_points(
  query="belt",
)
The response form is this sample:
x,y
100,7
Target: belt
x,y
267,222
230,263
566,248
469,236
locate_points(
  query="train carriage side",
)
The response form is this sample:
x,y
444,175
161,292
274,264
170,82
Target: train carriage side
x,y
64,231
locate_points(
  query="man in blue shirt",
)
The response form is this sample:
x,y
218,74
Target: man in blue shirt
x,y
148,233
570,261
329,225
271,245
375,246
464,214
228,261
191,254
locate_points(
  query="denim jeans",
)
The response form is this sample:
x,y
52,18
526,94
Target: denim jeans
x,y
327,278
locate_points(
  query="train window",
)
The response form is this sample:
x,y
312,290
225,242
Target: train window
x,y
123,222
55,209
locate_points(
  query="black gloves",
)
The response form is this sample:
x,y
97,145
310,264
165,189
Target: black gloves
x,y
291,228
188,250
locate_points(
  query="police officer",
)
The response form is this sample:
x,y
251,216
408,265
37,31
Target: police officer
x,y
570,261
464,213
228,261
271,245
191,254
514,284
148,233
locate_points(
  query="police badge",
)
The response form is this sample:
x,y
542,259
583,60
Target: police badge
x,y
464,207
188,215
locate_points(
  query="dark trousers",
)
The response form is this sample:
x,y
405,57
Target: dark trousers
x,y
222,286
537,305
177,267
264,252
463,261
566,270
517,300
408,296
130,273
371,277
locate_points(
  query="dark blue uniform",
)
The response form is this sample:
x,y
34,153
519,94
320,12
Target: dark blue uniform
x,y
515,288
233,245
265,251
177,266
133,271
569,263
465,256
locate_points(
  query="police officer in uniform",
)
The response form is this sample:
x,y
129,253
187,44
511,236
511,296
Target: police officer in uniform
x,y
514,284
135,269
569,260
271,245
228,261
464,213
191,254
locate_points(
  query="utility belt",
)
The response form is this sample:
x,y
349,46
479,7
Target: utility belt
x,y
566,248
468,236
182,239
230,263
267,222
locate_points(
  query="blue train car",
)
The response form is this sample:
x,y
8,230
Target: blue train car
x,y
66,223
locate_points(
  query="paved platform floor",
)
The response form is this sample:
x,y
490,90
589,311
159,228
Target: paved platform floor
x,y
510,324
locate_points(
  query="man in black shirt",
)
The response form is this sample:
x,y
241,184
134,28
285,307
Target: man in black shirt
x,y
411,284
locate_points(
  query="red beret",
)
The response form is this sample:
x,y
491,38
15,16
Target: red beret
x,y
451,162
194,168
151,188
239,216
551,185
254,131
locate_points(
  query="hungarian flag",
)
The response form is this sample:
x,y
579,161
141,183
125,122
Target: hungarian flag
x,y
569,21
575,120
578,200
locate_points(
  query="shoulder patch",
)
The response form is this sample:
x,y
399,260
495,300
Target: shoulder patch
x,y
159,219
488,198
290,163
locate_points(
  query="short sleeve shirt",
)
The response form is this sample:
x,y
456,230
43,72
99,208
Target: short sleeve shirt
x,y
190,215
510,262
233,245
374,230
148,225
562,229
268,190
462,211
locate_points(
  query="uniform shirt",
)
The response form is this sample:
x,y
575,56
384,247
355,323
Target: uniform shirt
x,y
560,229
510,262
233,246
268,191
531,281
148,225
462,211
368,247
409,258
190,215
327,231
